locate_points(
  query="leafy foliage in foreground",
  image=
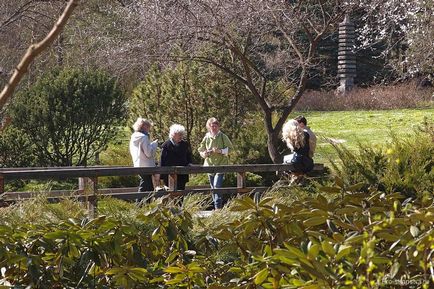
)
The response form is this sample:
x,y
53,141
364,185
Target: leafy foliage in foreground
x,y
348,235
355,239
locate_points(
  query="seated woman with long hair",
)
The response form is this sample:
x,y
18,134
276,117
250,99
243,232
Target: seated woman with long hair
x,y
298,141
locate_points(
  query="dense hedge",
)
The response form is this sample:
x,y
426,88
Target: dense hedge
x,y
66,117
358,239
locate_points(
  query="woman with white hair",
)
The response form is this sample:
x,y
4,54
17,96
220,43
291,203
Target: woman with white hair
x,y
298,141
142,151
176,152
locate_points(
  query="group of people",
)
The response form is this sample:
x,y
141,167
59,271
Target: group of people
x,y
214,149
176,151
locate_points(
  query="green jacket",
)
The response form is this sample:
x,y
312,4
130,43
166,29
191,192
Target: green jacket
x,y
220,141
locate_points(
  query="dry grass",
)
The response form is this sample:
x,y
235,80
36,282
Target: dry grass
x,y
40,211
406,95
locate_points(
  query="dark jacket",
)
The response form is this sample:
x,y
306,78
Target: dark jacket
x,y
301,160
176,155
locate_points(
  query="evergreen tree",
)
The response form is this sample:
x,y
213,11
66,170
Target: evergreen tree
x,y
189,94
69,115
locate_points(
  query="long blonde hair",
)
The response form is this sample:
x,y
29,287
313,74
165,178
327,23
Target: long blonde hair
x,y
293,135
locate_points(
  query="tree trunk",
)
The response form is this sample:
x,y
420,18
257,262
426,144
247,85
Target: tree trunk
x,y
272,144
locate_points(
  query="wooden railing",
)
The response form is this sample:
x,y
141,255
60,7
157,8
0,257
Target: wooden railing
x,y
88,180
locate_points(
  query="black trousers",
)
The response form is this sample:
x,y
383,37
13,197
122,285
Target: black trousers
x,y
146,184
180,182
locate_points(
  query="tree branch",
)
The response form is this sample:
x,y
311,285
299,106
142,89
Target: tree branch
x,y
33,51
15,16
218,65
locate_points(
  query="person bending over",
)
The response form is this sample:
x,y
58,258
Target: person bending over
x,y
298,141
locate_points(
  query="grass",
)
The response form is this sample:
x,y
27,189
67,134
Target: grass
x,y
373,127
366,126
370,126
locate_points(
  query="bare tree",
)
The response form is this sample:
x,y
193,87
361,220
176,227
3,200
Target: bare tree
x,y
272,45
34,50
25,22
402,30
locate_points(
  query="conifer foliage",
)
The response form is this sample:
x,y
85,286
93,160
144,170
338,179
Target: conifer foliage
x,y
69,115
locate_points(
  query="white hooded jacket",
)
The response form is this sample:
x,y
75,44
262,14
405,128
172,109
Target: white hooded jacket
x,y
142,150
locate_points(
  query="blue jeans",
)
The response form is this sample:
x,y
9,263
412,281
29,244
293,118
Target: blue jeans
x,y
216,181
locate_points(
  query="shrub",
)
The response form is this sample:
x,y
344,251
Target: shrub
x,y
69,115
100,253
406,166
331,243
15,149
353,239
405,95
117,154
250,145
189,94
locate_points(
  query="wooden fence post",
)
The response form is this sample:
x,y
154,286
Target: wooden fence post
x,y
241,180
173,182
2,185
2,190
88,186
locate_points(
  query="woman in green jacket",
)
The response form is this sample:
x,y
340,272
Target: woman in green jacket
x,y
215,148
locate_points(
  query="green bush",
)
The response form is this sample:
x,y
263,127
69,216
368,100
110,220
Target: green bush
x,y
100,253
250,144
405,165
69,115
350,235
189,94
117,154
15,149
356,239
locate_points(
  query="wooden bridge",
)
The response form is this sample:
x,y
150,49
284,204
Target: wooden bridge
x,y
88,190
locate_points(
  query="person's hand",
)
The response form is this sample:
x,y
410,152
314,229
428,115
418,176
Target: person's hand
x,y
154,144
216,150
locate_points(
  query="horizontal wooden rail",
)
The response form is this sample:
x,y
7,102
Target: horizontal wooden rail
x,y
88,179
73,172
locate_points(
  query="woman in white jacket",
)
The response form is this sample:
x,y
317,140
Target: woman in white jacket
x,y
143,151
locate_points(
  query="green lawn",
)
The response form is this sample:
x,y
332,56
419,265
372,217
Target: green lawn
x,y
373,127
